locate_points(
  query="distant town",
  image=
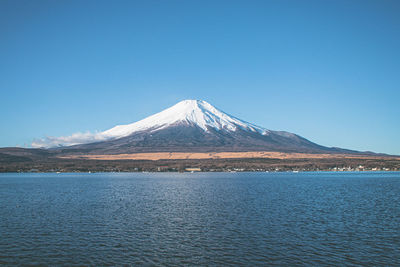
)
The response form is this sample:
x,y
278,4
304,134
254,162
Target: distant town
x,y
222,165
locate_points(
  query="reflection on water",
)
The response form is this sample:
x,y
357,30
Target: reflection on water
x,y
201,218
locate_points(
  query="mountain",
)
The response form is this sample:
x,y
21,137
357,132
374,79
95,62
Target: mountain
x,y
193,126
190,134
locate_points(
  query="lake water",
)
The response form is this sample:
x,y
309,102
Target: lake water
x,y
216,219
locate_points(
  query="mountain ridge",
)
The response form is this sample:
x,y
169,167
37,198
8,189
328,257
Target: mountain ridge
x,y
193,112
195,126
191,126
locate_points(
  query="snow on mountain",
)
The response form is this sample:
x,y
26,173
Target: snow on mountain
x,y
193,112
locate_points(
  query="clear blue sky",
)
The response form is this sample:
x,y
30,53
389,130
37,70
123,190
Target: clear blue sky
x,y
326,70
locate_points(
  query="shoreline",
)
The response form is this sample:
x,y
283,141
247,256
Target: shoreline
x,y
188,162
216,171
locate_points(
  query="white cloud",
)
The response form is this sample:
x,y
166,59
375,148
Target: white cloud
x,y
74,139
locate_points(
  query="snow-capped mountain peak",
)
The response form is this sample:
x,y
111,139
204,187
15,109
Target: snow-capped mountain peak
x,y
193,112
189,112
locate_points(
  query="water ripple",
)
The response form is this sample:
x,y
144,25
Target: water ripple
x,y
218,219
